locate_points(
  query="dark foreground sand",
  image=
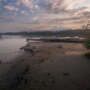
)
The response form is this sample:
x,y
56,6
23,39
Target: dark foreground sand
x,y
54,66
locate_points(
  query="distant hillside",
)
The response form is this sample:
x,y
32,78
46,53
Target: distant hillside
x,y
67,33
81,33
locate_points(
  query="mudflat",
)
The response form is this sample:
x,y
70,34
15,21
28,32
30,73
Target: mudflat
x,y
53,66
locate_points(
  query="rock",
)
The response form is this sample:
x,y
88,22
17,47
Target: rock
x,y
66,74
49,74
29,49
60,46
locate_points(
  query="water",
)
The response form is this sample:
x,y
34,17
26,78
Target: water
x,y
10,47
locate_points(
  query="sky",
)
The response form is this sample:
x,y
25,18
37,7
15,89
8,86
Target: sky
x,y
30,15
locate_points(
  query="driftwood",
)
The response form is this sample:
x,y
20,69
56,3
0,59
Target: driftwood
x,y
28,48
64,40
68,40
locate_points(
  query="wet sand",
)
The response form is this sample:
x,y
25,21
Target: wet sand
x,y
54,66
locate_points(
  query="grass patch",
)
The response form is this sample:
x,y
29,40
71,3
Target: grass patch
x,y
87,55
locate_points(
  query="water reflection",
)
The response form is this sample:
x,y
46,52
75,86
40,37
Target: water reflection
x,y
9,47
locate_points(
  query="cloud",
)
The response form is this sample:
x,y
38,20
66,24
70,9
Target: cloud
x,y
35,18
24,13
42,14
6,18
28,3
10,8
18,3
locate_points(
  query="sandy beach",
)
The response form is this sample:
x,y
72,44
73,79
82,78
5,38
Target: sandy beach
x,y
53,66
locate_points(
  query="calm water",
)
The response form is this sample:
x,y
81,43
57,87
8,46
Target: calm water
x,y
9,47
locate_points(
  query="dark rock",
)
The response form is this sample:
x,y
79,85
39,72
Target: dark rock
x,y
49,74
60,46
66,74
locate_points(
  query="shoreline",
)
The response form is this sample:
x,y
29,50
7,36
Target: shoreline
x,y
50,59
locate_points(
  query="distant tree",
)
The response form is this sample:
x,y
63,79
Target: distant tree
x,y
87,42
87,45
